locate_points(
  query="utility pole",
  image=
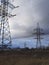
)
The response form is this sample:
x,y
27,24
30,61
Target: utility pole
x,y
24,44
5,35
38,32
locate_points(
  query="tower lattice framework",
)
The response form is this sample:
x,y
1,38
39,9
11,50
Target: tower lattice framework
x,y
5,35
38,33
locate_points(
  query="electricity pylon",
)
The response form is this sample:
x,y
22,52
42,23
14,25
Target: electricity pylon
x,y
38,32
5,35
25,45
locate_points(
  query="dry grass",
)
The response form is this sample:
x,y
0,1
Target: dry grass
x,y
19,58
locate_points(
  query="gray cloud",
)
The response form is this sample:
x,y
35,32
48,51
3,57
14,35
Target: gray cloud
x,y
28,14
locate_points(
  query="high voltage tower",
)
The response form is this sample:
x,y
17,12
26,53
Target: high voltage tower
x,y
25,45
38,32
5,35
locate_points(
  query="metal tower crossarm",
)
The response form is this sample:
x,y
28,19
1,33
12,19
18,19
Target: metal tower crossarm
x,y
38,32
5,30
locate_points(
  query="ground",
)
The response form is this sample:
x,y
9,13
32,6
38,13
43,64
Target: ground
x,y
24,57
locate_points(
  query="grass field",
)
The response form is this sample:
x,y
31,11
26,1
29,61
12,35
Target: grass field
x,y
24,57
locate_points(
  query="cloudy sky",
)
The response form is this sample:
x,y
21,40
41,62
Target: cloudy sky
x,y
28,14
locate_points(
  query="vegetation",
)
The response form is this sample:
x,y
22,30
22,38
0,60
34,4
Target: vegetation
x,y
24,57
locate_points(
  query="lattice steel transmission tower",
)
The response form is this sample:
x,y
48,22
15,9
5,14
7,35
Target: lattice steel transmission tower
x,y
38,32
5,35
25,45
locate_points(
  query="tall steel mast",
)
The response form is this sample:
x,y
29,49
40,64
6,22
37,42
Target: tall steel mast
x,y
5,35
38,32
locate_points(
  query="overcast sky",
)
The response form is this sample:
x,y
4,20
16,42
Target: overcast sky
x,y
28,14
